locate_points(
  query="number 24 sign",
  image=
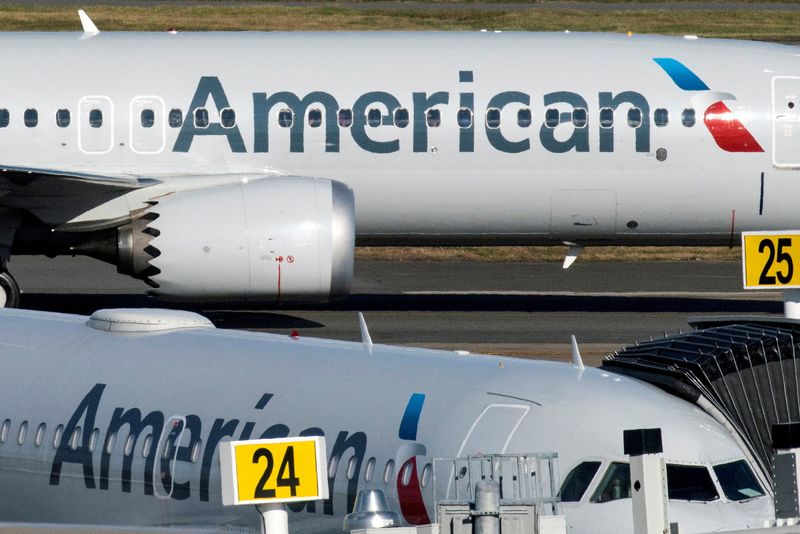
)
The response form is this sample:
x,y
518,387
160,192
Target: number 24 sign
x,y
273,470
771,260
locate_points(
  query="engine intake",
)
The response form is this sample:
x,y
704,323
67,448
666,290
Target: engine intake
x,y
272,239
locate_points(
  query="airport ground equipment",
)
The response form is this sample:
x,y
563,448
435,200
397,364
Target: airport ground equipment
x,y
648,480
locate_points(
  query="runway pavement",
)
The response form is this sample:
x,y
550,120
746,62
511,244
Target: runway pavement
x,y
510,308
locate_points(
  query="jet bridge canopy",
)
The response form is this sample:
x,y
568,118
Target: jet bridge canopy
x,y
746,369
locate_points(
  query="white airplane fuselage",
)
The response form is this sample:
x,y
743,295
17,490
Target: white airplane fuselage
x,y
163,153
379,410
418,183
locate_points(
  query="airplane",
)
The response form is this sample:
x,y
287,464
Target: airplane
x,y
112,423
245,166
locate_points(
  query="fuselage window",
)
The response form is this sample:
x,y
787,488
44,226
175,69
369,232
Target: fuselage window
x,y
315,118
75,438
661,117
148,442
388,471
524,118
493,118
374,117
333,464
201,118
111,441
96,118
345,118
4,430
405,475
579,118
351,467
464,118
175,118
228,118
57,436
31,118
616,484
551,117
634,117
687,117
606,118
401,117
129,443
433,118
196,448
369,470
285,118
93,437
63,118
147,118
5,118
39,438
578,481
690,483
23,432
738,481
426,475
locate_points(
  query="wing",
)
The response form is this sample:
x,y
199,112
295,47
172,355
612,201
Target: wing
x,y
55,528
55,195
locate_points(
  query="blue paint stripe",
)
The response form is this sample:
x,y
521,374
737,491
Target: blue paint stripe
x,y
408,426
680,74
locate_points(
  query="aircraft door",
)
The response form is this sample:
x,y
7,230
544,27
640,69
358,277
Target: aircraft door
x,y
96,124
148,125
166,455
489,434
786,122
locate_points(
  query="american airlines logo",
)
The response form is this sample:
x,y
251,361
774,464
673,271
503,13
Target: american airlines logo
x,y
727,130
565,126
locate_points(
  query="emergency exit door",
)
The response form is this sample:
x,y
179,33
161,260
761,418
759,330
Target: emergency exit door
x,y
96,124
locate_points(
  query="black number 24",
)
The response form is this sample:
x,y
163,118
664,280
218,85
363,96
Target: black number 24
x,y
779,256
286,473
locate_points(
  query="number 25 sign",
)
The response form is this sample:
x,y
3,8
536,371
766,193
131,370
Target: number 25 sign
x,y
273,470
771,260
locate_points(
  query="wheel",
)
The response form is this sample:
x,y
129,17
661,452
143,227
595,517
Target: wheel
x,y
9,290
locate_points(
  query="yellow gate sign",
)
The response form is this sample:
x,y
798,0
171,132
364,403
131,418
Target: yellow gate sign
x,y
273,470
771,260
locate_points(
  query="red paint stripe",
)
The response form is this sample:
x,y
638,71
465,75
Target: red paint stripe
x,y
728,132
412,503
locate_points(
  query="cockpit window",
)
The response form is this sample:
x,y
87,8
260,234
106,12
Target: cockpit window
x,y
577,481
738,481
616,484
690,483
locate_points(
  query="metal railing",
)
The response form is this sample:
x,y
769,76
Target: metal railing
x,y
530,478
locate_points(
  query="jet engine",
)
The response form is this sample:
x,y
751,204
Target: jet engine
x,y
272,239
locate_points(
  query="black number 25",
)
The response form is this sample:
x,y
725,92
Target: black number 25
x,y
782,256
286,476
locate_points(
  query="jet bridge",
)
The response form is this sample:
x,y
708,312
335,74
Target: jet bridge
x,y
742,371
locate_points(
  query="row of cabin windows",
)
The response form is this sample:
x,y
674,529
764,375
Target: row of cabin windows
x,y
465,118
400,118
75,441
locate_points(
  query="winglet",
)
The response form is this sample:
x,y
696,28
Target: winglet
x,y
366,340
89,27
573,252
577,361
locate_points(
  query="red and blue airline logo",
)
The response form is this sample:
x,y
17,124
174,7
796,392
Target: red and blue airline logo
x,y
728,132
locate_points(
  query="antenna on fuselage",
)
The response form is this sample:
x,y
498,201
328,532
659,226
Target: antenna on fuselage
x,y
89,27
366,340
577,361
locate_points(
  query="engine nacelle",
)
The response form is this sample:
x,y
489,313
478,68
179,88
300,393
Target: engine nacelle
x,y
271,239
